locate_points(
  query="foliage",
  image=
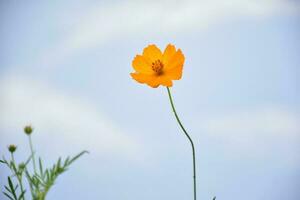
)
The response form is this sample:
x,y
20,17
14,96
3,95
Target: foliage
x,y
40,180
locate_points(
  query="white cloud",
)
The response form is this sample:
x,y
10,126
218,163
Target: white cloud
x,y
62,121
250,127
263,134
105,22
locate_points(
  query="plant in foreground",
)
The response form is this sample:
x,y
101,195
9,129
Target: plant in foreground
x,y
155,68
40,180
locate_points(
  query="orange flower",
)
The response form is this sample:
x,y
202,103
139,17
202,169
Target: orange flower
x,y
156,68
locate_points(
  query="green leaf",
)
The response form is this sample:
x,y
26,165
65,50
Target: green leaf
x,y
11,186
22,195
7,189
30,181
67,161
41,168
8,196
4,161
77,156
28,159
16,187
47,174
13,166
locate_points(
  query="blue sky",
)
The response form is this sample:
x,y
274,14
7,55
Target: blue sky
x,y
64,68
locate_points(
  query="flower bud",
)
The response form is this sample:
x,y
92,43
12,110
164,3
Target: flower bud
x,y
12,148
28,130
22,166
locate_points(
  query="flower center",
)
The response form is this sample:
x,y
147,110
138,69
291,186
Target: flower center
x,y
158,66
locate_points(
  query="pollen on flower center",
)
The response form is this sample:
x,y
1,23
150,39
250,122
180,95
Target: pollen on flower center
x,y
157,66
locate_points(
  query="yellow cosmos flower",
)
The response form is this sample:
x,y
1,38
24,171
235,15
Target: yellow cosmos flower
x,y
155,68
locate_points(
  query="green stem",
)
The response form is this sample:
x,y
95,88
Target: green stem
x,y
19,177
190,139
32,154
13,157
21,186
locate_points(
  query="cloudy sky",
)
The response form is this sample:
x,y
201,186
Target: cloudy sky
x,y
64,68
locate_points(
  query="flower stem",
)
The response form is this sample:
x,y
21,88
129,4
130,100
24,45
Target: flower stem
x,y
190,139
12,157
32,154
19,176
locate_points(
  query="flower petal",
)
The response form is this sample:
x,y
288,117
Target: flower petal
x,y
168,53
142,65
142,78
176,60
167,83
175,73
152,80
175,66
152,52
160,80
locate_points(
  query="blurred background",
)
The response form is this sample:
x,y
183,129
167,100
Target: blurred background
x,y
64,69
